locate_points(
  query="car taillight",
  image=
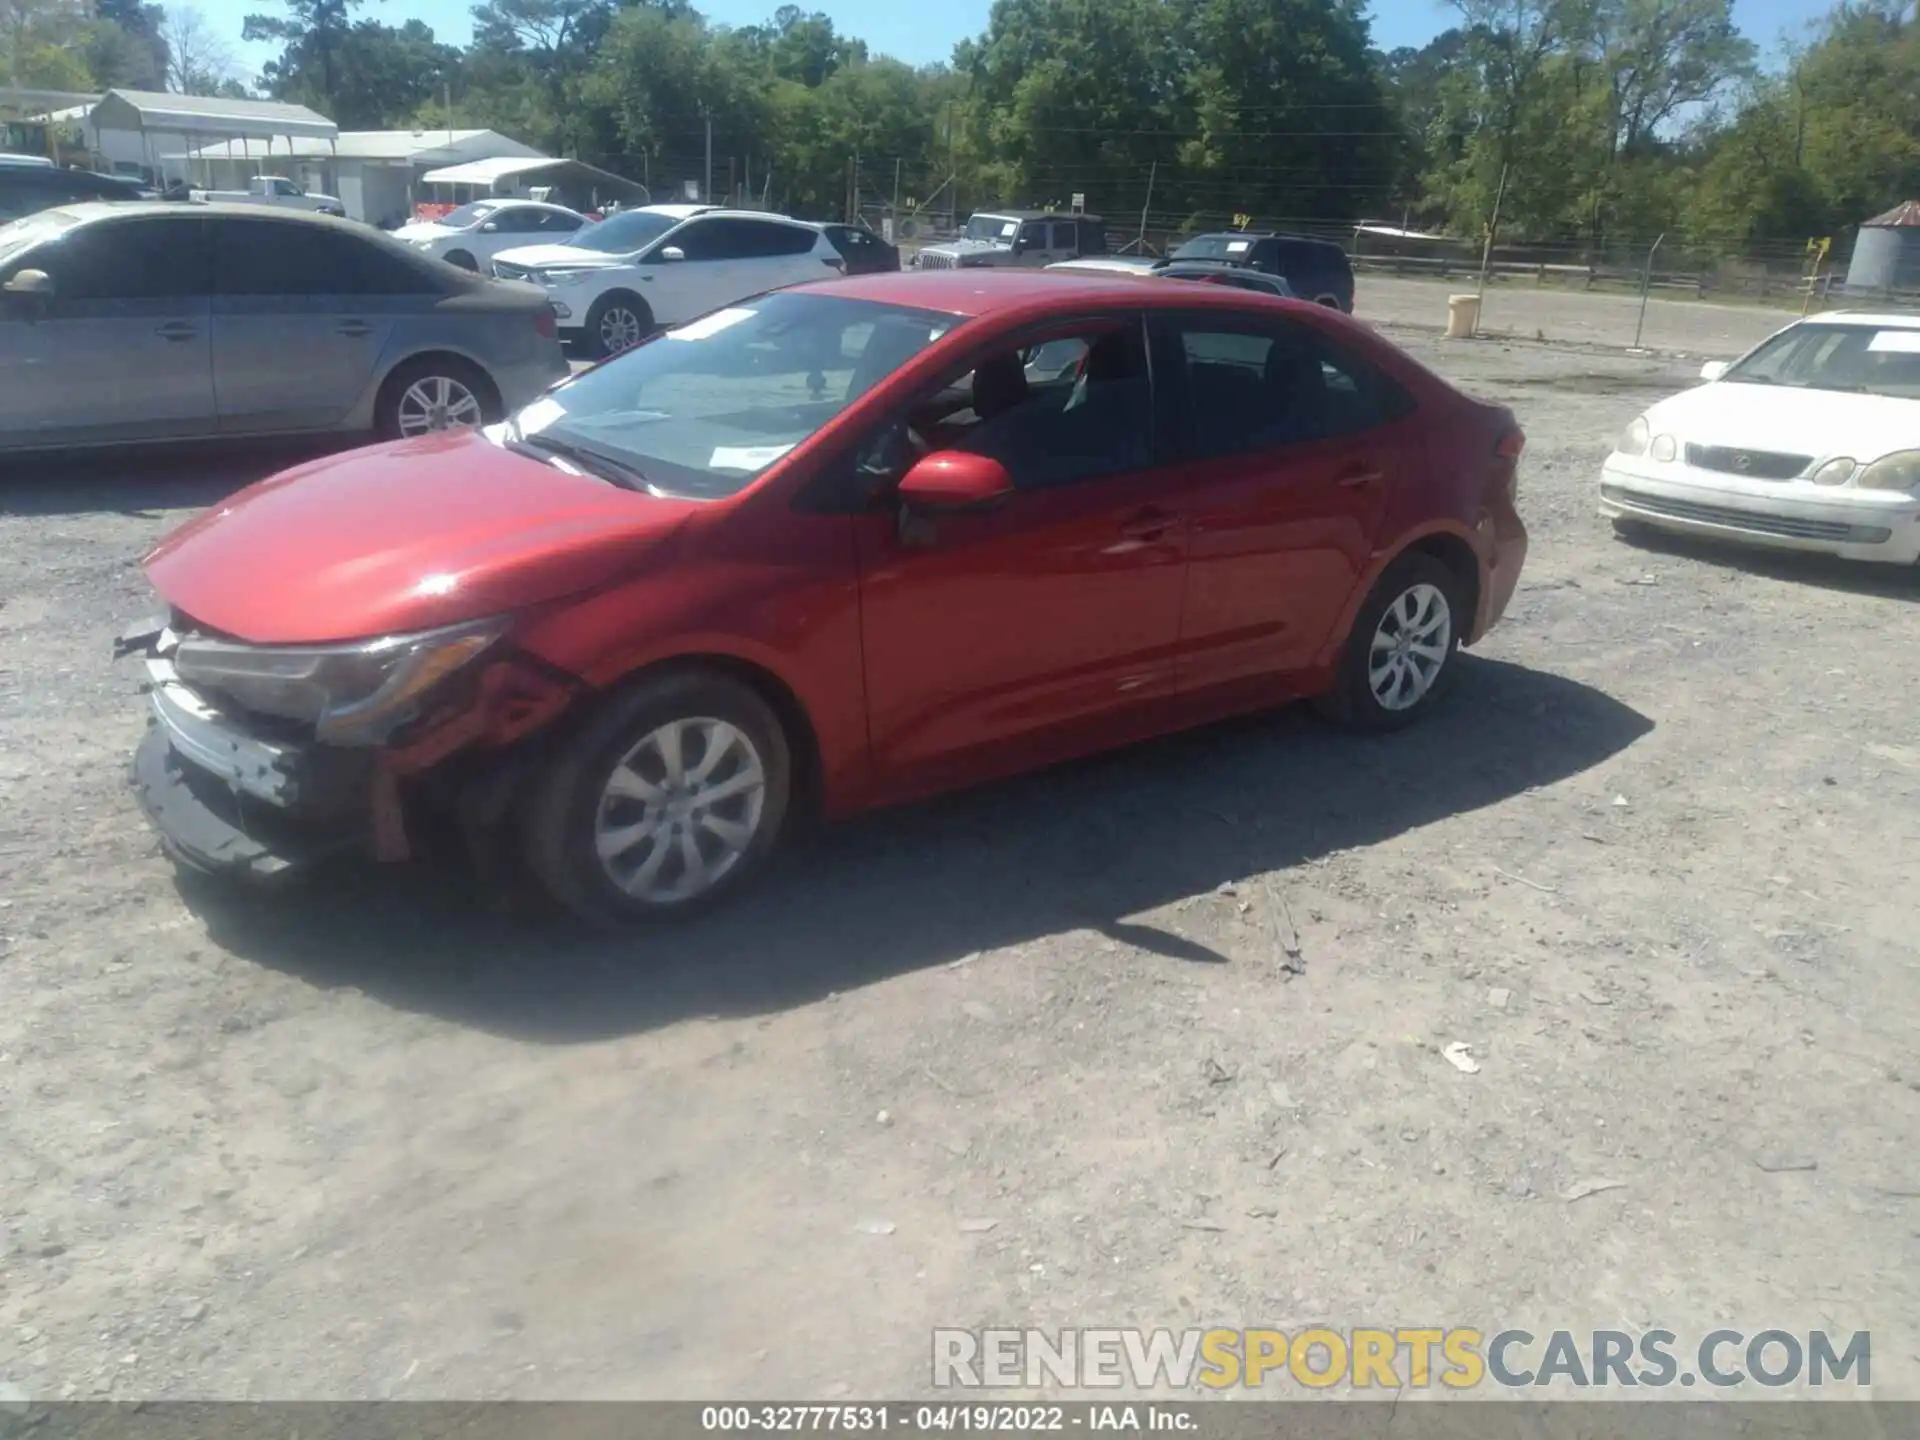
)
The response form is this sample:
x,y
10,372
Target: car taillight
x,y
1511,444
547,325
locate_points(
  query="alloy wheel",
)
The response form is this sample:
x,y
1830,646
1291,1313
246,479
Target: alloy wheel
x,y
1410,645
619,329
680,810
437,402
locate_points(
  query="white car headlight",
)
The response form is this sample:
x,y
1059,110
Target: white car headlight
x,y
1835,472
1664,448
1634,441
1899,471
351,694
560,277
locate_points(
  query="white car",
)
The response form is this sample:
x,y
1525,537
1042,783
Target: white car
x,y
614,283
472,235
1811,441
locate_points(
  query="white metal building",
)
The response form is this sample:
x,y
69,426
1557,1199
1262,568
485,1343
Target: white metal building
x,y
376,174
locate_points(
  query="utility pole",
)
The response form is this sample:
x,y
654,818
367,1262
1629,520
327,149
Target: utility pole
x,y
706,179
732,193
1646,284
953,199
446,100
1493,228
1153,172
896,192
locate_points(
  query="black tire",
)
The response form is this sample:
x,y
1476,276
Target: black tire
x,y
1352,702
1332,302
567,799
1634,532
465,261
608,306
386,409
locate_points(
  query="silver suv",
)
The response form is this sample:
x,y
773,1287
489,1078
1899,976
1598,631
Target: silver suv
x,y
1018,237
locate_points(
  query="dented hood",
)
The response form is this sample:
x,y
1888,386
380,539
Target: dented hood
x,y
400,537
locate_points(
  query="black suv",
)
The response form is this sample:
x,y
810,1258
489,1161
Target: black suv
x,y
28,186
1316,269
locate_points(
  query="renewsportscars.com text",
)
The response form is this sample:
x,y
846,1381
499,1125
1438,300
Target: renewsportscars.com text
x,y
1400,1357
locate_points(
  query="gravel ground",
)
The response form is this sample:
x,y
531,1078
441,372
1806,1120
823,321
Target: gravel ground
x,y
1653,864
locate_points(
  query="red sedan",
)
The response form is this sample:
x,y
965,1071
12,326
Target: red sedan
x,y
830,548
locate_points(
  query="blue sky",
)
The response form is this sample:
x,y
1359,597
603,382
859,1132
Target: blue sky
x,y
919,34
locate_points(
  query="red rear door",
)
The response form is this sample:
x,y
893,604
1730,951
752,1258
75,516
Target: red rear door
x,y
1293,444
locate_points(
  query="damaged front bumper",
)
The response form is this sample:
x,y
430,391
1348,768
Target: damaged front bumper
x,y
231,795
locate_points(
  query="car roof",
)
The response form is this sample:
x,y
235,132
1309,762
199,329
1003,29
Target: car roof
x,y
1034,215
987,291
1886,320
1266,235
84,211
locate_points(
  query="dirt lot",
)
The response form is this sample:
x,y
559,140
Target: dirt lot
x,y
1655,865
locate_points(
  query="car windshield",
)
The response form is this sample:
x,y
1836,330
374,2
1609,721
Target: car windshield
x,y
703,409
1215,247
470,214
991,227
32,230
624,233
1863,359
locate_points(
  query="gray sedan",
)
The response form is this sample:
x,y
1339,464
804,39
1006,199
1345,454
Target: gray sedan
x,y
151,321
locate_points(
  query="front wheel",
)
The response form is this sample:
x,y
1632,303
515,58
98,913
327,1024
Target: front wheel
x,y
615,323
666,801
1399,657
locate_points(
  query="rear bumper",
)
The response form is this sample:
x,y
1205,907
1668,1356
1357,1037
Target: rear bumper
x,y
1503,549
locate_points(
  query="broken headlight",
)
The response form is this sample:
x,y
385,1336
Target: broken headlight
x,y
352,694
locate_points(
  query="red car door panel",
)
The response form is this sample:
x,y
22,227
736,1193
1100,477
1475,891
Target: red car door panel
x,y
1283,513
1059,607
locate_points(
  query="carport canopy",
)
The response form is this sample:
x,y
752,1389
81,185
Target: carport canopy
x,y
144,110
531,171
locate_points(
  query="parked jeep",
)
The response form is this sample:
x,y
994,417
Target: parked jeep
x,y
1018,237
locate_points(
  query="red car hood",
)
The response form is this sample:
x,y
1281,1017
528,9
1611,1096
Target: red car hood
x,y
401,537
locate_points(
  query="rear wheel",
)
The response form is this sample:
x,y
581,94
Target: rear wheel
x,y
665,802
617,322
1399,658
463,260
435,393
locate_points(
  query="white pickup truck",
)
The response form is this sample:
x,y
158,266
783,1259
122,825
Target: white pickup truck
x,y
275,190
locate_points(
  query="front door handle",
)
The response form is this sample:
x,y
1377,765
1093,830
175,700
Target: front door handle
x,y
1359,475
353,329
1149,524
177,330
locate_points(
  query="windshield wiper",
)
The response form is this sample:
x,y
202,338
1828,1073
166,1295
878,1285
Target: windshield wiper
x,y
596,464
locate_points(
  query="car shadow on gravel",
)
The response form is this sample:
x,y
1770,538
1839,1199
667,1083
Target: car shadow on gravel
x,y
189,477
1093,845
1855,577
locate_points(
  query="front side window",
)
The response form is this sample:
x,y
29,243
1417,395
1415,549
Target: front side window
x,y
149,259
703,409
1255,388
1861,359
31,230
1091,421
1033,235
516,220
558,221
623,234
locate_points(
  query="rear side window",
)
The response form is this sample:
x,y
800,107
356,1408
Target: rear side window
x,y
264,257
1253,388
771,240
1064,235
158,258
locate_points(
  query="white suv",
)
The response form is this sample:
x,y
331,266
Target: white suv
x,y
614,283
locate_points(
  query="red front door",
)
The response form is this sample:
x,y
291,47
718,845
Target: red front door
x,y
1055,611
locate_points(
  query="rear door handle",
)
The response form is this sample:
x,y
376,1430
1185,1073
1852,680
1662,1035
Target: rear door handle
x,y
353,329
1358,476
1149,524
177,330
